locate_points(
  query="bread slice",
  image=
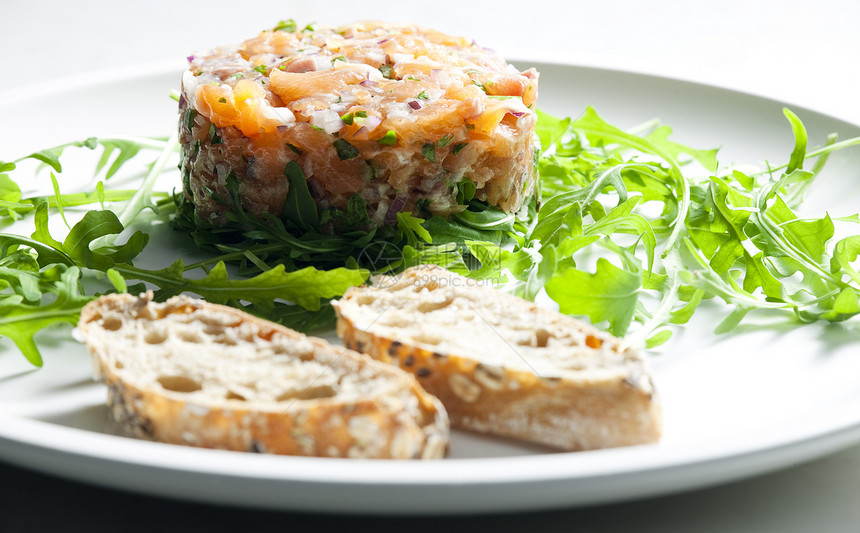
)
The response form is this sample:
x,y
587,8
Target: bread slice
x,y
191,372
501,364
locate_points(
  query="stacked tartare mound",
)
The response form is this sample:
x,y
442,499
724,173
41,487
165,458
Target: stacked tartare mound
x,y
365,121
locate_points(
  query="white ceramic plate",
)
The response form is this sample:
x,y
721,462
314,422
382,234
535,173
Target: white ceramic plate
x,y
735,405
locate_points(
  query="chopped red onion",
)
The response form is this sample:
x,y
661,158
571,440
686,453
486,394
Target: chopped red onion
x,y
314,189
190,58
396,207
414,104
517,114
383,41
371,123
181,100
327,120
360,133
369,83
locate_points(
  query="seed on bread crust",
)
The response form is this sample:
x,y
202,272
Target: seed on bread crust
x,y
490,376
464,388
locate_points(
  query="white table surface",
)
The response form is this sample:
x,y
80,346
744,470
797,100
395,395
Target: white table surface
x,y
804,53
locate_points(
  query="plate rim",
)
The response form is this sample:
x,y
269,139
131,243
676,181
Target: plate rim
x,y
805,440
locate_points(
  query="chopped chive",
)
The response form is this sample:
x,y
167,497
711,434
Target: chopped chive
x,y
386,71
288,25
311,27
339,58
389,139
262,69
294,148
429,151
345,150
236,76
369,172
423,204
422,95
189,118
444,140
458,147
214,138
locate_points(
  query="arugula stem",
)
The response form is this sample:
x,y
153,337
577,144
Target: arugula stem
x,y
232,256
143,197
854,141
659,316
790,249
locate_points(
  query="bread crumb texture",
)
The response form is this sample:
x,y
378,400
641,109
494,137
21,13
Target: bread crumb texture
x,y
190,372
503,365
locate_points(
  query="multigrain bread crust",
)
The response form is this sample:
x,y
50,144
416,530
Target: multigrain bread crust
x,y
502,365
200,374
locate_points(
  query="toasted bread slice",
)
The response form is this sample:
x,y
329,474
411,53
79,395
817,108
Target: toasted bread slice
x,y
190,372
501,364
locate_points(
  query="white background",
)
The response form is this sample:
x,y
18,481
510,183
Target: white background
x,y
804,53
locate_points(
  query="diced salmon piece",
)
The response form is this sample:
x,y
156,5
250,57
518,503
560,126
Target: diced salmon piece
x,y
295,85
512,86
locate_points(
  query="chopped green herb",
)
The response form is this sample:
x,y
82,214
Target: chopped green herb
x,y
338,58
386,71
236,76
288,25
429,151
349,118
214,138
311,27
222,100
423,205
444,140
369,172
345,150
458,147
294,149
262,69
389,139
422,95
190,114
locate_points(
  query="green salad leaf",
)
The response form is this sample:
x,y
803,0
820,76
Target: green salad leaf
x,y
632,230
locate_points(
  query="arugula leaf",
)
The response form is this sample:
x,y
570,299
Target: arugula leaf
x,y
303,287
20,321
299,207
609,294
